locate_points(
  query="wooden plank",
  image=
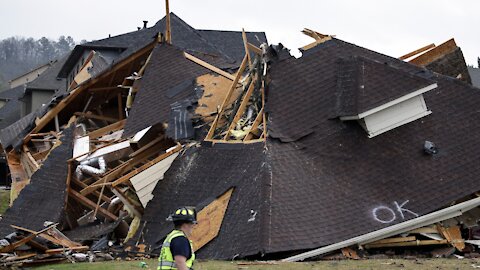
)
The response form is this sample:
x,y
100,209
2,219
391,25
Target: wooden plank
x,y
104,89
315,43
254,48
107,129
168,30
74,93
422,49
453,235
409,244
98,117
62,250
227,97
434,54
394,240
247,52
120,169
88,203
144,167
210,221
241,109
147,146
25,240
209,66
313,34
425,230
96,193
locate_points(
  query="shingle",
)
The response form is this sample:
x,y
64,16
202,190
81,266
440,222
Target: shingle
x,y
167,69
48,80
364,84
44,198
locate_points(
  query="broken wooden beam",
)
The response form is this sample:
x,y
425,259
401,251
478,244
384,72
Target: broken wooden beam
x,y
107,129
209,66
88,203
421,50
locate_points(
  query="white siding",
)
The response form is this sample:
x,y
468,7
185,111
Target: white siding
x,y
395,116
145,182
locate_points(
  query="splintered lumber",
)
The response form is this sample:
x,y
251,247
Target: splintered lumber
x,y
254,48
313,34
209,66
350,253
409,244
241,109
96,193
107,129
145,166
121,169
394,240
74,93
453,236
247,52
425,230
32,235
210,220
410,54
62,250
88,203
53,235
435,53
227,98
315,43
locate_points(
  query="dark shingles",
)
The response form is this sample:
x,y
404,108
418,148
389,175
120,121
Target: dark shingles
x,y
167,69
223,44
319,180
364,84
200,176
44,198
453,65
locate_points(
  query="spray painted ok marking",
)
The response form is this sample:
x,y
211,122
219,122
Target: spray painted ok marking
x,y
390,214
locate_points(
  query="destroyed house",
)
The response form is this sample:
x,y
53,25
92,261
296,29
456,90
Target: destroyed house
x,y
279,155
321,178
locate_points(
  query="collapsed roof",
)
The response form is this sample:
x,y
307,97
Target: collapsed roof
x,y
319,180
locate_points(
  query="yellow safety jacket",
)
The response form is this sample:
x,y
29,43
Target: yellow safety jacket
x,y
166,260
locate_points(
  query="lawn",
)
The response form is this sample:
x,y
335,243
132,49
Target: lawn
x,y
446,264
4,200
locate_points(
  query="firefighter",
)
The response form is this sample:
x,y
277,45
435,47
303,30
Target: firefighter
x,y
177,250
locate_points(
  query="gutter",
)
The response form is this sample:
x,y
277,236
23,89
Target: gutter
x,y
441,215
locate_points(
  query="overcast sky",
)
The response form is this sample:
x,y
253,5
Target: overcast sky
x,y
390,27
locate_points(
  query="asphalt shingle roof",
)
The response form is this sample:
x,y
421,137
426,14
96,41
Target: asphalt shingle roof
x,y
320,180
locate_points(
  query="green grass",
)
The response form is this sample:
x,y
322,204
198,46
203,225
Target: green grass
x,y
393,264
4,200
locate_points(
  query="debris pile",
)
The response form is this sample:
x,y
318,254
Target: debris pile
x,y
341,150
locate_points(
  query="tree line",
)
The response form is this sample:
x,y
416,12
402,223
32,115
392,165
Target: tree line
x,y
19,55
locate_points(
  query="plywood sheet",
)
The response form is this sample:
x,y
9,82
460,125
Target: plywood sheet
x,y
210,221
215,88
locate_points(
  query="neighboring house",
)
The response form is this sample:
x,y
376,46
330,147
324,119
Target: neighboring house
x,y
10,111
29,76
475,75
221,48
41,90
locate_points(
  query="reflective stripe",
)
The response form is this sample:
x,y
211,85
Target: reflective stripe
x,y
169,264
